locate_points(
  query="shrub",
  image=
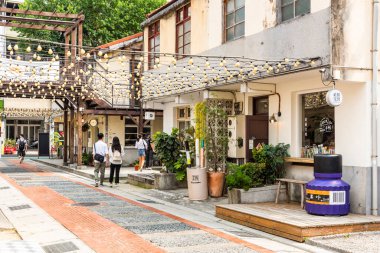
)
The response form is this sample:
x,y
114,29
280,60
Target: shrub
x,y
167,148
245,176
273,158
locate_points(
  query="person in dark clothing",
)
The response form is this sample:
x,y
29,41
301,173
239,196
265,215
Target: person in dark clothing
x,y
149,153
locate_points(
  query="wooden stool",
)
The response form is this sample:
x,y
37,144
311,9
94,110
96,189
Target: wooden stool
x,y
287,182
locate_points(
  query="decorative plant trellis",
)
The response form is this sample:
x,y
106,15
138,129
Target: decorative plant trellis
x,y
217,111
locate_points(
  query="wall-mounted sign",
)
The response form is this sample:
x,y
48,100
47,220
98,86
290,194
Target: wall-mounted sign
x,y
150,115
326,125
93,122
334,98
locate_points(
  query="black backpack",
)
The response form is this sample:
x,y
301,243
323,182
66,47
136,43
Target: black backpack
x,y
21,146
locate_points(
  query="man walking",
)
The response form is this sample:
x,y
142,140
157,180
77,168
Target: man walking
x,y
100,153
21,147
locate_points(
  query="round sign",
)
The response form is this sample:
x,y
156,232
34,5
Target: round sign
x,y
93,122
334,98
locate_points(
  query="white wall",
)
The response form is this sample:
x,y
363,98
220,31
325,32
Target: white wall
x,y
352,118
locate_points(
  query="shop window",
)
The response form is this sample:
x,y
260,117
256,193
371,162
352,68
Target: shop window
x,y
234,19
131,132
153,43
318,125
293,8
183,30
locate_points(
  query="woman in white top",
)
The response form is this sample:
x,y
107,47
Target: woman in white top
x,y
116,153
141,147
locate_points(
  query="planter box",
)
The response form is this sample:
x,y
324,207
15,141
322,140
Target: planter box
x,y
167,181
255,195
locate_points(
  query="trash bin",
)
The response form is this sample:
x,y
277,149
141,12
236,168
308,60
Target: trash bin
x,y
327,194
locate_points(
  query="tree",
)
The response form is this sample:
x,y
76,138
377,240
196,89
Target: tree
x,y
105,20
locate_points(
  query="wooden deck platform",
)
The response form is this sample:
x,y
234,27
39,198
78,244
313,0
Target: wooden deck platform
x,y
290,221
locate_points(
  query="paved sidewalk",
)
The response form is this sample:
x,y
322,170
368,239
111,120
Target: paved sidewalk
x,y
101,219
177,203
38,230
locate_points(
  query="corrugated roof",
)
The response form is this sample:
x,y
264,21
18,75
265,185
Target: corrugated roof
x,y
115,42
162,11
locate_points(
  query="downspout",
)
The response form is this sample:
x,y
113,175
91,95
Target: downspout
x,y
375,20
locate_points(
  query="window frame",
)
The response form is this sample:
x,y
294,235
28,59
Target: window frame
x,y
186,9
293,3
152,36
225,28
305,124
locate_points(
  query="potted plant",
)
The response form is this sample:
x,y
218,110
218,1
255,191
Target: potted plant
x,y
216,147
136,165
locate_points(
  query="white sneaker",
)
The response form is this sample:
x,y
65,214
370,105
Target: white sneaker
x,y
111,185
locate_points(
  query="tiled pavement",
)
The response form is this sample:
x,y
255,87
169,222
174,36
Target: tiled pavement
x,y
85,217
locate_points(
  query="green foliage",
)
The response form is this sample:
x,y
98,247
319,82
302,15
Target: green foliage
x,y
200,120
273,158
245,176
10,143
180,168
216,142
58,141
87,158
105,20
167,148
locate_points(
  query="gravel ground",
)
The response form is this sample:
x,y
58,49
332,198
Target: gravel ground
x,y
368,242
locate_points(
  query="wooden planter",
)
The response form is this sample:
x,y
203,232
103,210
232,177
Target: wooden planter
x,y
215,183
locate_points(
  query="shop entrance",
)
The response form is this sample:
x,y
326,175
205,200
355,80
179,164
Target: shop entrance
x,y
257,125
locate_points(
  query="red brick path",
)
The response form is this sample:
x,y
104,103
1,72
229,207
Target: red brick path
x,y
97,232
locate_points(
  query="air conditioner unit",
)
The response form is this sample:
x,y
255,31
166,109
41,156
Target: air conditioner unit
x,y
236,130
150,115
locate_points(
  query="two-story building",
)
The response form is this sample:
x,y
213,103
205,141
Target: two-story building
x,y
335,37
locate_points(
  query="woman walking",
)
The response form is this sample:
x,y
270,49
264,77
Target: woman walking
x,y
116,153
141,147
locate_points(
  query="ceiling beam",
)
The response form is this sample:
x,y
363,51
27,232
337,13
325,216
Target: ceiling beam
x,y
126,112
39,13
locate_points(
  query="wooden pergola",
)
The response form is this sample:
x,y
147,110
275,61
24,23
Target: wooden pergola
x,y
71,25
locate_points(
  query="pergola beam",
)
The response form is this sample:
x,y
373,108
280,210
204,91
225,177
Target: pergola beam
x,y
36,20
38,27
39,13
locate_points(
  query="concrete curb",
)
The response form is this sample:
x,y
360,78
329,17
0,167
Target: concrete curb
x,y
65,168
312,242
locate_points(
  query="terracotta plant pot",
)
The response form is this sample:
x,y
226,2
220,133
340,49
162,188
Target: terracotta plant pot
x,y
136,167
215,184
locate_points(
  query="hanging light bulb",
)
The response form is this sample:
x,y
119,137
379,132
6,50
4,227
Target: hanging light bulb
x,y
38,58
15,47
82,51
100,53
28,49
18,58
50,51
39,48
68,53
9,47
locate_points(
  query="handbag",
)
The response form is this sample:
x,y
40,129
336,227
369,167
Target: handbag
x,y
98,157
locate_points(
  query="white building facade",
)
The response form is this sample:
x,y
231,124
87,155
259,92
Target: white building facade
x,y
338,32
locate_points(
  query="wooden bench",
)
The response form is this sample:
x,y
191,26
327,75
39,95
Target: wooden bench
x,y
287,181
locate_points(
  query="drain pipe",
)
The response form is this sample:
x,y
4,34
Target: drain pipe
x,y
375,20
